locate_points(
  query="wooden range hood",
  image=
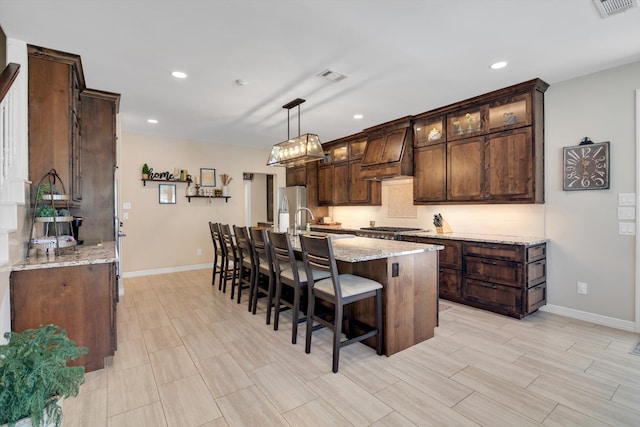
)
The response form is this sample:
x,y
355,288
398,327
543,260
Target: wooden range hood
x,y
389,151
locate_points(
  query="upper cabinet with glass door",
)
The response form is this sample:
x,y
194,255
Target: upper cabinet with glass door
x,y
429,131
511,112
466,123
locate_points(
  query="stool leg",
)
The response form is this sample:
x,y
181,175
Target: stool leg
x,y
276,306
310,313
379,324
337,333
296,315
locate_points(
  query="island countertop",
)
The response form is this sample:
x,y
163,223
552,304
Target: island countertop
x,y
349,248
488,238
101,253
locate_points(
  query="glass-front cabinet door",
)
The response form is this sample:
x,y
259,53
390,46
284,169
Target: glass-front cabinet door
x,y
508,113
356,149
466,123
428,131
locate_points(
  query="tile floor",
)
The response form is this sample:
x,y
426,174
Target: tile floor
x,y
189,356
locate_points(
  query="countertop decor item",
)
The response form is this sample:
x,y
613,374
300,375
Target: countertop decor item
x,y
34,375
586,166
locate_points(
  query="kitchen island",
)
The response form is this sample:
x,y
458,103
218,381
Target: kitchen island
x,y
76,291
408,273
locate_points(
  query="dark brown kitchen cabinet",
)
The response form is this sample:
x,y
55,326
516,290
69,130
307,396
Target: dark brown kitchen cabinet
x,y
80,299
495,148
296,175
340,181
99,110
465,171
430,180
55,82
505,278
389,150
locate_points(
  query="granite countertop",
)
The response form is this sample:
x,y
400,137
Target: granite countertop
x,y
488,238
476,237
356,249
101,253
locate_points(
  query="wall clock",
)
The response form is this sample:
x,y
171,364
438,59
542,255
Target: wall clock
x,y
586,166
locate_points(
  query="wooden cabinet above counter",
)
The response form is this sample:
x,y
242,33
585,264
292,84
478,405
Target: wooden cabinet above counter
x,y
389,152
487,149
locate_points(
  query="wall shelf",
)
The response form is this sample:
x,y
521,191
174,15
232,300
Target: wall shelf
x,y
209,197
144,181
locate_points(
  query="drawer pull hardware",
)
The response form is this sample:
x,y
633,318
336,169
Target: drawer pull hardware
x,y
486,285
486,261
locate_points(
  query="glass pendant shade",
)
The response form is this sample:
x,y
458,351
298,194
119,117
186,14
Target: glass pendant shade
x,y
295,151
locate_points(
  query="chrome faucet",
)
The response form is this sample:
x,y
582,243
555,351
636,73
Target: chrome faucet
x,y
295,219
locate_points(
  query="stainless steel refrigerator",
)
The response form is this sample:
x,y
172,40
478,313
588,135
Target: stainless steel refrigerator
x,y
296,199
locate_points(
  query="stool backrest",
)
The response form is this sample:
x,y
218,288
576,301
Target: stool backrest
x,y
261,248
216,236
243,242
317,252
229,244
282,254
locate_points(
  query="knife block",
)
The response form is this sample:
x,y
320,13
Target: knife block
x,y
445,228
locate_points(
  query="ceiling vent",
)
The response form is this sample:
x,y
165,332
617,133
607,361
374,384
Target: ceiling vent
x,y
333,76
611,7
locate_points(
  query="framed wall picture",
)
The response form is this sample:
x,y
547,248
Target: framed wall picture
x,y
586,167
167,194
207,177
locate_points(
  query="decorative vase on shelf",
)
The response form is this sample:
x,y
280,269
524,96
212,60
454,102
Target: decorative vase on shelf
x,y
225,191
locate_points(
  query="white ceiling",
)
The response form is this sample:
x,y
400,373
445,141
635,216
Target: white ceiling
x,y
402,57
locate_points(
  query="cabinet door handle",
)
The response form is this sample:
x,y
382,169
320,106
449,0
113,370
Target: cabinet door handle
x,y
486,285
486,261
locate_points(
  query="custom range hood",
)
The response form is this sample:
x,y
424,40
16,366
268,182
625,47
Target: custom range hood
x,y
389,152
298,150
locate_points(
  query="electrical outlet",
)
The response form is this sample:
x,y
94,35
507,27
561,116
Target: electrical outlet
x,y
125,215
126,205
582,288
199,252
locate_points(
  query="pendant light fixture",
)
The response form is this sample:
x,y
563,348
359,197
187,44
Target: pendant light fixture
x,y
298,150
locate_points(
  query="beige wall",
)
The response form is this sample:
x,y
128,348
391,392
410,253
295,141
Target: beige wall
x,y
582,225
161,237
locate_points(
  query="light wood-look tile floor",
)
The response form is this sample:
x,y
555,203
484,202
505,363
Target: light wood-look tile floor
x,y
189,356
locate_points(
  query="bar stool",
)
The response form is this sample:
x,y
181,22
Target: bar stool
x,y
232,260
218,252
246,263
289,272
341,290
264,269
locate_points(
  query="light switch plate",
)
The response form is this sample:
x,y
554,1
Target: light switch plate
x,y
126,205
627,199
627,228
626,213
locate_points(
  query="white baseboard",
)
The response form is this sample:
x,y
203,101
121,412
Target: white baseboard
x,y
612,322
153,271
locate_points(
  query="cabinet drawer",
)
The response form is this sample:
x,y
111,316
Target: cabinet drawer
x,y
536,272
536,297
491,295
537,252
493,270
496,251
450,256
450,281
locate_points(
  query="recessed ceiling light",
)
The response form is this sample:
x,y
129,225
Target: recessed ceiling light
x,y
498,65
179,75
358,116
241,82
153,121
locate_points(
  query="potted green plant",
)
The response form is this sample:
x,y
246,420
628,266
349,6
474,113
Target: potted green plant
x,y
145,171
34,375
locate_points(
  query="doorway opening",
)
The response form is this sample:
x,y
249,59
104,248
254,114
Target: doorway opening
x,y
258,198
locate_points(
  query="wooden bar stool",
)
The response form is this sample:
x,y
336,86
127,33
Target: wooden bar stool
x,y
218,252
340,290
232,260
264,269
289,272
246,263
